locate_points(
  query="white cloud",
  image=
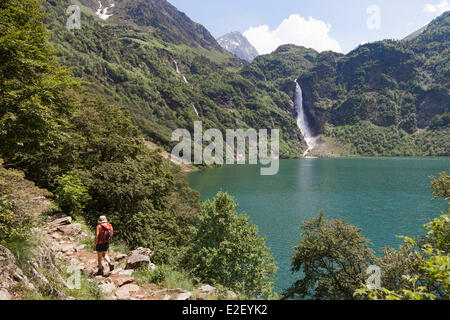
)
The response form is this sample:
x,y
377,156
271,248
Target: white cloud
x,y
310,33
438,8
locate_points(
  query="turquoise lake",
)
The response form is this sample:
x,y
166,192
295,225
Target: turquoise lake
x,y
385,197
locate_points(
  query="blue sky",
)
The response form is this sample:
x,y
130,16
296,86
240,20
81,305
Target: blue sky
x,y
340,25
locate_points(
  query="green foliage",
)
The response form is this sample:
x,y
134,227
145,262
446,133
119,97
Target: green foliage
x,y
55,289
33,87
136,70
440,121
71,195
426,275
441,186
430,278
227,250
332,257
368,139
14,226
417,292
18,207
165,276
399,87
81,147
89,289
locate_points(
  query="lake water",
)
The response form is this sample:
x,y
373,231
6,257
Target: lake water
x,y
384,197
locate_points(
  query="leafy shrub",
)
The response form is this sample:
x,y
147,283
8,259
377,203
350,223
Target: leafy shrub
x,y
71,195
164,276
441,186
14,225
426,276
227,250
330,256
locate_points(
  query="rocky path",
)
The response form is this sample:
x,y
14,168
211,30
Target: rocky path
x,y
66,241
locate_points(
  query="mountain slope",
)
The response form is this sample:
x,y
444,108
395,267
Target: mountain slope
x,y
382,98
238,45
167,71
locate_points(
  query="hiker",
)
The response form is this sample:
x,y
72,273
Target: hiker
x,y
103,237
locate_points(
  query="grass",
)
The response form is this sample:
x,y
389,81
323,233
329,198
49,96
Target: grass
x,y
330,147
88,239
88,289
54,289
120,246
164,276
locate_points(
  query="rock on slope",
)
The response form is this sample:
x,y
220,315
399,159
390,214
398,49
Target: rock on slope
x,y
238,45
61,240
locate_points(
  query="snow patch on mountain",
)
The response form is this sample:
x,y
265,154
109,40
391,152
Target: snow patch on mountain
x,y
102,12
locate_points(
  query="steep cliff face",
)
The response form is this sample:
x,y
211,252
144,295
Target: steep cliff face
x,y
388,83
238,45
401,85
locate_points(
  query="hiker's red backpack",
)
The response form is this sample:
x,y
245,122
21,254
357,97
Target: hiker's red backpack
x,y
106,232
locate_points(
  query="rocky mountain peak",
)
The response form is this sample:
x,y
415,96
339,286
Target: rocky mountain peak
x,y
237,44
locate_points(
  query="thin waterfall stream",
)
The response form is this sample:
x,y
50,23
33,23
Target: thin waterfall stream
x,y
302,121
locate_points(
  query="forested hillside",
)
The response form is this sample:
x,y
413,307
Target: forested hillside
x,y
65,138
168,71
385,98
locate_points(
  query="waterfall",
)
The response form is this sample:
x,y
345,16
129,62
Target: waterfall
x,y
195,109
178,71
302,121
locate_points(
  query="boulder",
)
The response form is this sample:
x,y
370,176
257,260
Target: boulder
x,y
120,256
116,271
10,273
80,248
231,295
207,289
66,220
56,236
184,296
121,281
143,251
71,229
67,248
89,270
137,261
139,258
126,272
124,292
5,295
107,288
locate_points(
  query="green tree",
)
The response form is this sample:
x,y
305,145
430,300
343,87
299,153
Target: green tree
x,y
71,195
332,257
228,251
146,197
33,87
52,130
18,206
441,186
426,275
